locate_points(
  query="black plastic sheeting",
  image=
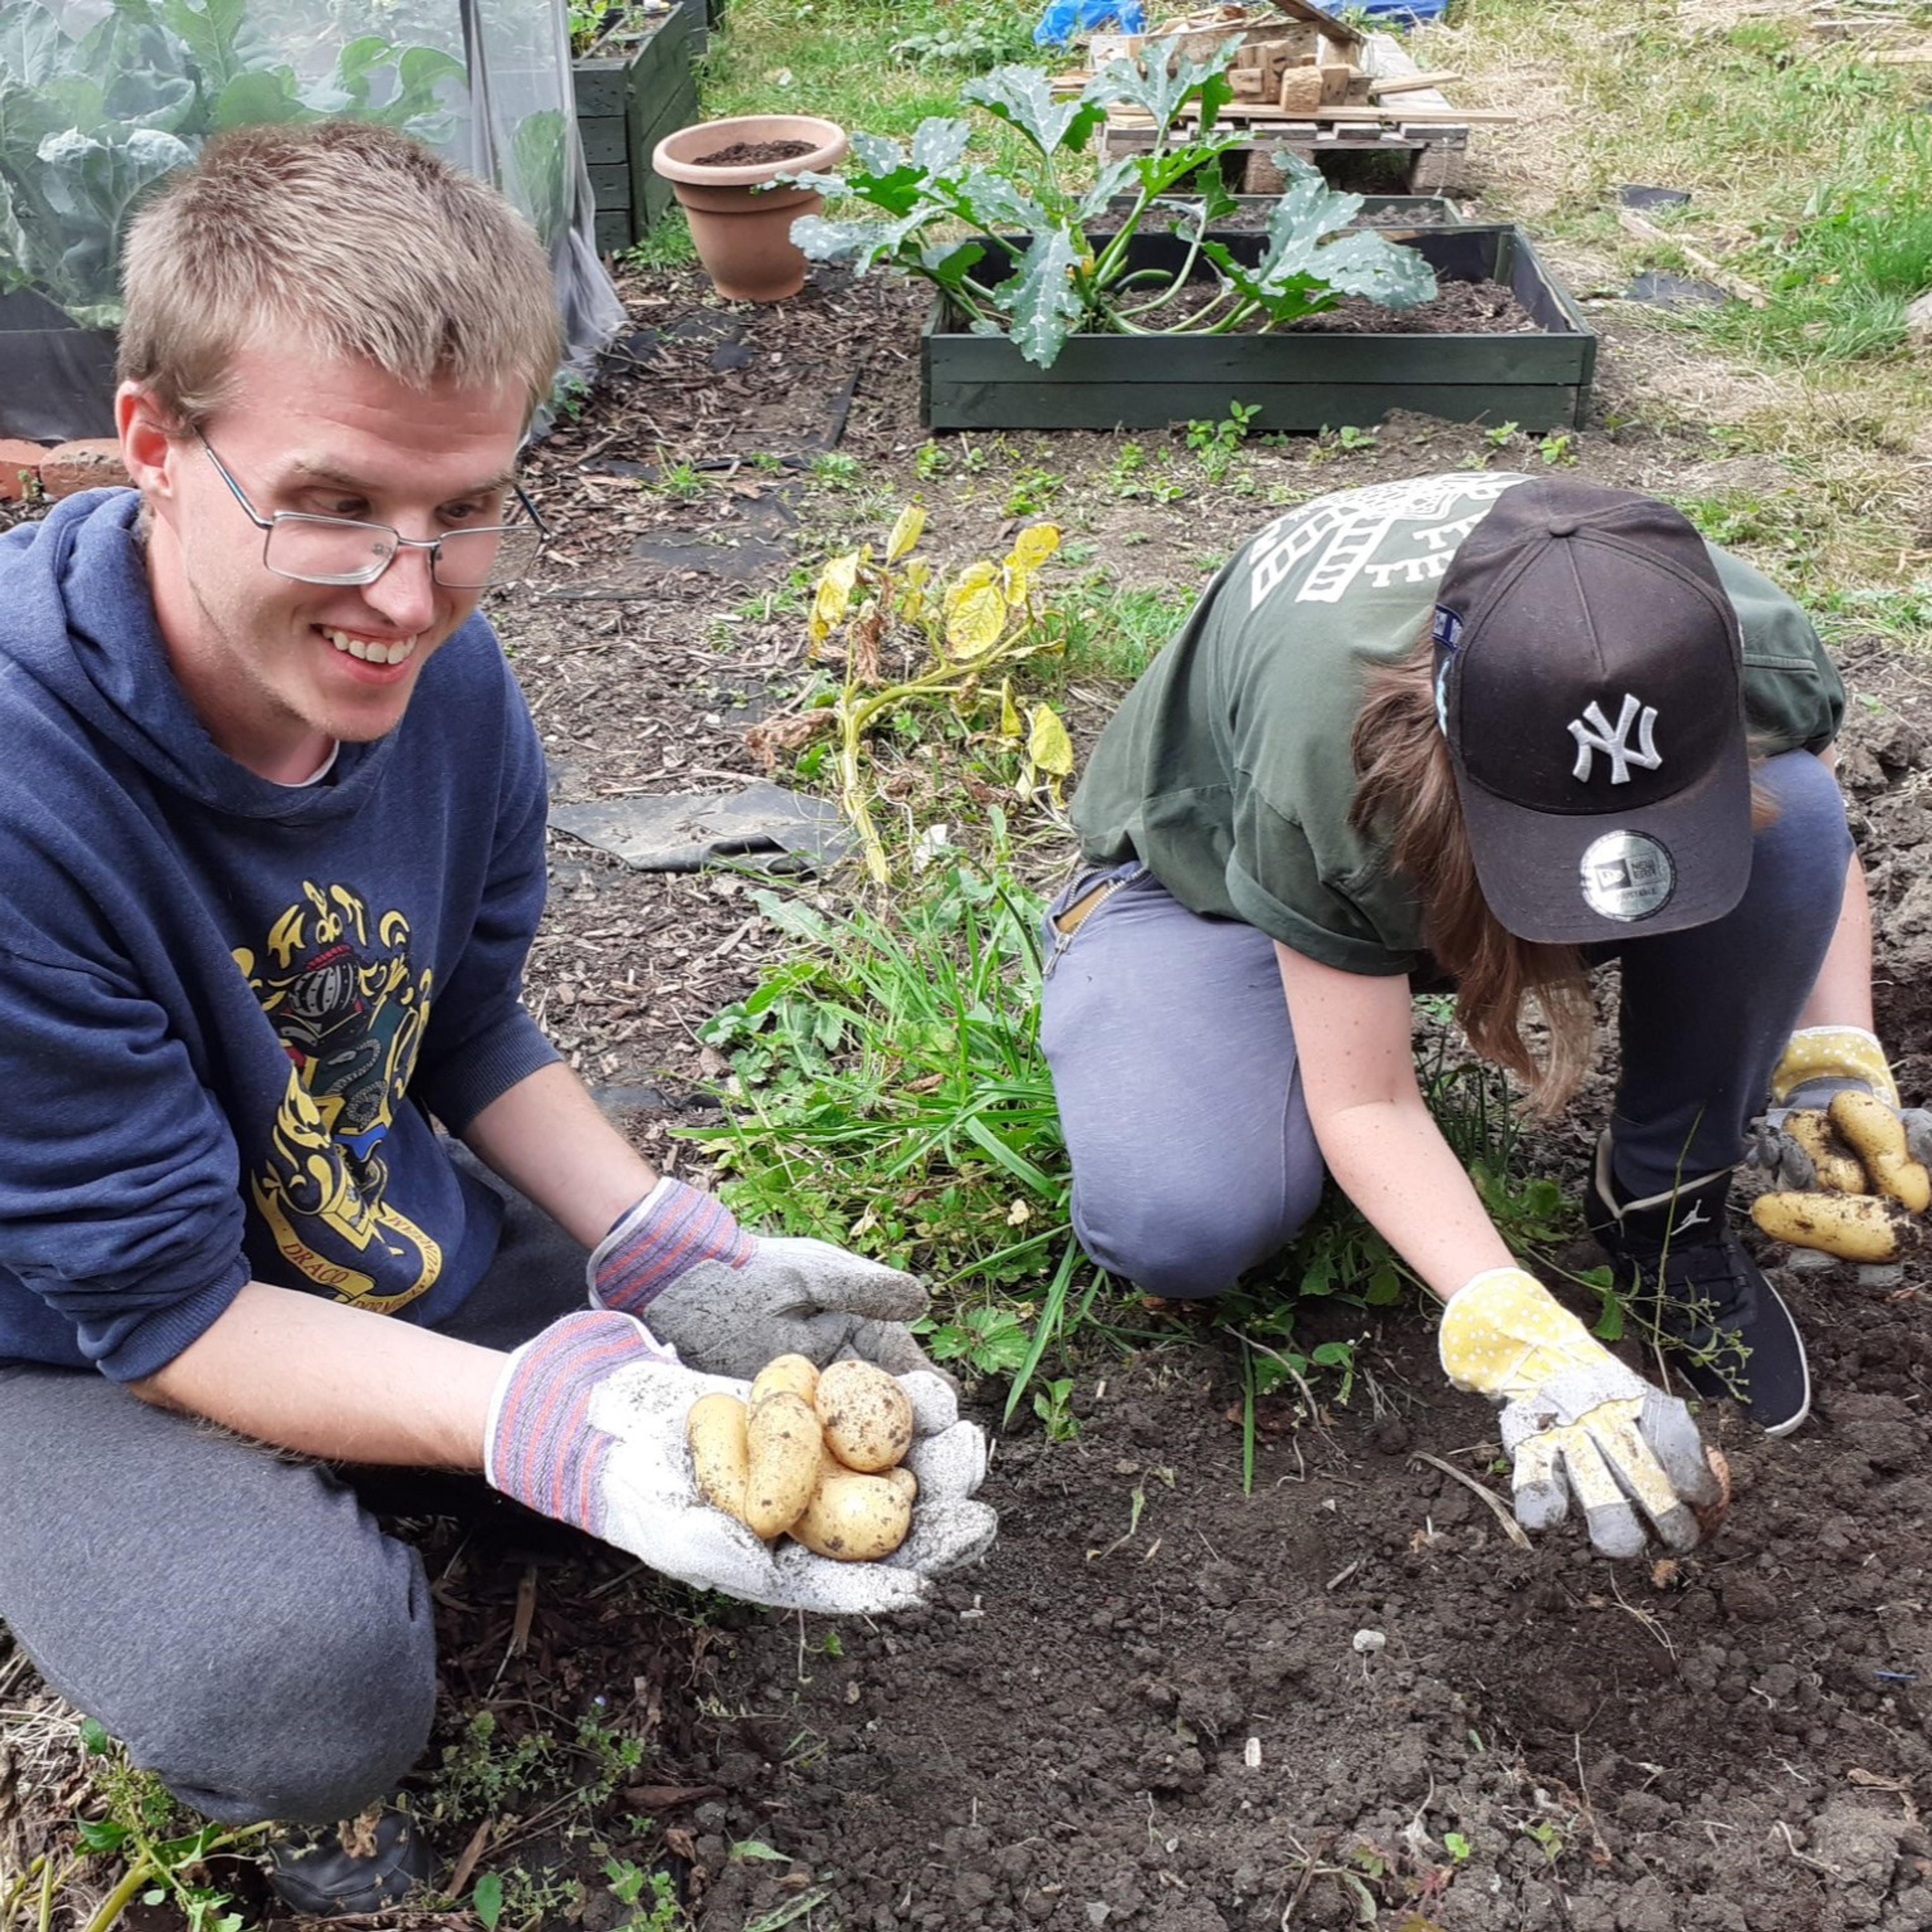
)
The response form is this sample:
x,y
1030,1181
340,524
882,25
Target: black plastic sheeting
x,y
56,381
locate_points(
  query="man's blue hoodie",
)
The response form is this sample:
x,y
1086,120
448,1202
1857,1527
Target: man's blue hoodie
x,y
228,1007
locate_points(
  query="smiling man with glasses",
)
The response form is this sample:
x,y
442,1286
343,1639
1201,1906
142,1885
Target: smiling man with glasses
x,y
274,808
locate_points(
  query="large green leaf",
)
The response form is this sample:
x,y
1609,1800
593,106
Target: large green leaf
x,y
539,150
220,35
31,46
1363,263
1022,96
938,143
143,74
1301,271
255,100
1150,86
861,243
997,203
1043,298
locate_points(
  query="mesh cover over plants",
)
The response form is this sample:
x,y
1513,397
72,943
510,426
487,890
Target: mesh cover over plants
x,y
100,99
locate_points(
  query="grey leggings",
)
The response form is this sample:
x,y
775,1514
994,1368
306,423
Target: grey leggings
x,y
1175,1066
235,1618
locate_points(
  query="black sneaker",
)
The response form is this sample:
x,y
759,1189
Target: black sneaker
x,y
1732,1334
364,1864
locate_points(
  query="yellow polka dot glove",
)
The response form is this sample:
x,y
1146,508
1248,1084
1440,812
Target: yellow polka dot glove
x,y
1575,1420
1835,1128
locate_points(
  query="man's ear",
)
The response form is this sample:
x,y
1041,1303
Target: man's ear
x,y
147,447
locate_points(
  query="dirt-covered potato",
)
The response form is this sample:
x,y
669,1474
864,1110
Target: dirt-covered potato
x,y
785,1372
855,1518
1875,1134
1837,1167
785,1445
1856,1227
720,1455
903,1479
867,1416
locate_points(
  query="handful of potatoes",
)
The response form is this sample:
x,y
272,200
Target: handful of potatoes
x,y
813,1454
1869,1186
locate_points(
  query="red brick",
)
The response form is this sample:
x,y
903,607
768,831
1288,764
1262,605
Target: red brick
x,y
95,464
15,458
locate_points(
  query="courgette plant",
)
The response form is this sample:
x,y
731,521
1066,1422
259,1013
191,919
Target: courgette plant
x,y
1032,267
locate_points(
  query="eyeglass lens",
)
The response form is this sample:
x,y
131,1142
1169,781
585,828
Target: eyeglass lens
x,y
330,550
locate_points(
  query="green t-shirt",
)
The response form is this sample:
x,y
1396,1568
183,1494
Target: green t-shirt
x,y
1229,770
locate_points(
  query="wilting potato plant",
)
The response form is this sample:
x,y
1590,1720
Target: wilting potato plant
x,y
958,642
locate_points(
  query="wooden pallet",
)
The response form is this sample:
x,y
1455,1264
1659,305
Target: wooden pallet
x,y
1419,123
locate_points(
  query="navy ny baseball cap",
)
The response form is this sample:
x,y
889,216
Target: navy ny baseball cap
x,y
1588,679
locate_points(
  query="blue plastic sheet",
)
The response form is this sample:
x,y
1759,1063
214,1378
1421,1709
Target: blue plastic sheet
x,y
1064,18
1403,13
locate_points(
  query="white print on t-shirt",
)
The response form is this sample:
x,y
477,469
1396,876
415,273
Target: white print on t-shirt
x,y
1428,516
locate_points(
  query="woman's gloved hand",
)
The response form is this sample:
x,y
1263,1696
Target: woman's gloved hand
x,y
1575,1420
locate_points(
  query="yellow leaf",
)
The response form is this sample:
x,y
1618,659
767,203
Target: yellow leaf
x,y
1047,744
974,577
1016,582
1034,545
833,597
977,621
1010,726
917,574
905,532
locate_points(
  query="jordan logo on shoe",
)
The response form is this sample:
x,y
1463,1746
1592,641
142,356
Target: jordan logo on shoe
x,y
1594,732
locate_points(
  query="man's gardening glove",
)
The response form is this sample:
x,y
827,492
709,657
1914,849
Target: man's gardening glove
x,y
1847,1165
587,1425
729,1302
1575,1420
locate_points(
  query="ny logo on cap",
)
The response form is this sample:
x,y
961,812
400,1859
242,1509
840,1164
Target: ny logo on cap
x,y
1594,733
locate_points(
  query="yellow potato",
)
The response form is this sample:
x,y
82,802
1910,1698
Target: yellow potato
x,y
1873,1132
868,1419
903,1479
785,1371
720,1457
855,1518
785,1446
1856,1227
1837,1166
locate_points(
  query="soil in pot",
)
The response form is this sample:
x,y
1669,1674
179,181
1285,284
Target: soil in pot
x,y
753,153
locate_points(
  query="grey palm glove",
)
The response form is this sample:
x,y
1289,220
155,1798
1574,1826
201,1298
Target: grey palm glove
x,y
729,1302
588,1425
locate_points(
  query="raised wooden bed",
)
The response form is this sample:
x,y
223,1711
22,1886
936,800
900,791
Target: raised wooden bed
x,y
626,103
1303,382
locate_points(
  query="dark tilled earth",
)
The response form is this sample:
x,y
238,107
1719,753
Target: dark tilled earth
x,y
1342,1698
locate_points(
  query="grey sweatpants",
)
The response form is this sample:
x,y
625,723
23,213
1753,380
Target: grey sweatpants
x,y
1180,1093
235,1618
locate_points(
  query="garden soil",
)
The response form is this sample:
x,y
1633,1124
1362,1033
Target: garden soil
x,y
1169,1701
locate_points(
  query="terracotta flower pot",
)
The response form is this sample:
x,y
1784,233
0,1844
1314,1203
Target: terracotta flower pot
x,y
743,233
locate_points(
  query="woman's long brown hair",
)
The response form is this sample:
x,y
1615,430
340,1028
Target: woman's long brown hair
x,y
1407,794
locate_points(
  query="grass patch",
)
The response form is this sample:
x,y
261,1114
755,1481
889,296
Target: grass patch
x,y
1113,630
852,61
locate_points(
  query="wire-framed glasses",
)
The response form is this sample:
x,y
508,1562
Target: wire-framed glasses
x,y
310,549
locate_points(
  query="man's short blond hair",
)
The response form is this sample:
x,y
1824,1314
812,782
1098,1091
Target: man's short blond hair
x,y
338,239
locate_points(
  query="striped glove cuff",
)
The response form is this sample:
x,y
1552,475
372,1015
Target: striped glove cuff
x,y
540,1446
671,1230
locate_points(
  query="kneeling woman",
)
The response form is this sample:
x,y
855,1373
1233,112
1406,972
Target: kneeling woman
x,y
1493,730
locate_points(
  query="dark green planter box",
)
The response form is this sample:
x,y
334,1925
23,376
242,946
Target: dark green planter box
x,y
1303,383
626,105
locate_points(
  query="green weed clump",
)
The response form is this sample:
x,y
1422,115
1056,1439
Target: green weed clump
x,y
890,1094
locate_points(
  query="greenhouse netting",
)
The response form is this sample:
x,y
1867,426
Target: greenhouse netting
x,y
99,99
